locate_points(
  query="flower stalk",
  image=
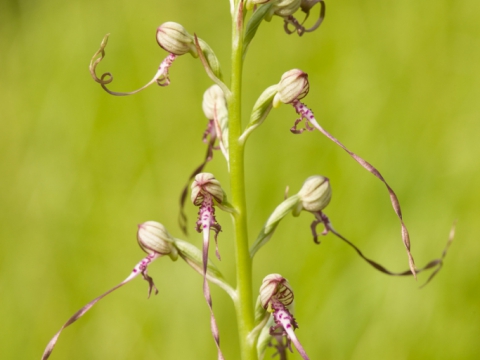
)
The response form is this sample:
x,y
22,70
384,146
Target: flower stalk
x,y
244,304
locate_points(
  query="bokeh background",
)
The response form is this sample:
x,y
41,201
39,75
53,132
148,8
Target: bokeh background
x,y
397,82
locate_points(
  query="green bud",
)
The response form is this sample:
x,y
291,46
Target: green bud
x,y
215,108
173,37
292,86
214,102
314,195
206,184
153,237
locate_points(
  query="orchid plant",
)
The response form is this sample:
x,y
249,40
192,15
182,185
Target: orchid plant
x,y
269,321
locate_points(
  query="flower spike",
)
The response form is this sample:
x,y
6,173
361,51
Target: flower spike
x,y
206,190
153,239
276,295
161,77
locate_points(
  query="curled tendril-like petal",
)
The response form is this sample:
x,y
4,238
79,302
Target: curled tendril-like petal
x,y
204,190
140,268
321,218
96,58
161,77
305,6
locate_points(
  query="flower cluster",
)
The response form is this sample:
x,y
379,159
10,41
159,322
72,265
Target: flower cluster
x,y
273,323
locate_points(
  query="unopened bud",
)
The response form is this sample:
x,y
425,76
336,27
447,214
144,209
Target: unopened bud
x,y
214,102
153,237
275,286
205,184
314,195
173,37
292,86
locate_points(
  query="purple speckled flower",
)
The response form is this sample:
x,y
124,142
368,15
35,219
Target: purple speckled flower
x,y
155,240
205,191
276,295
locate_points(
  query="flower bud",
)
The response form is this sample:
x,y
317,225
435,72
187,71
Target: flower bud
x,y
153,237
205,184
275,286
292,86
314,195
215,108
214,101
173,37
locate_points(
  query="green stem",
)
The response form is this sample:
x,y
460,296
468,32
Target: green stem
x,y
244,304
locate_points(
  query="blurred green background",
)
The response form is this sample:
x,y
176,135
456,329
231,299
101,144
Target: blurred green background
x,y
397,82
